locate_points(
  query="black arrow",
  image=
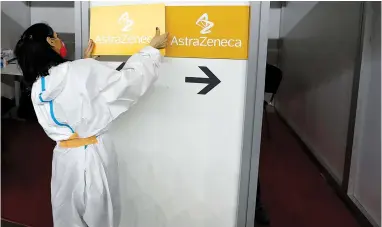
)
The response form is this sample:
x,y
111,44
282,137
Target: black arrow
x,y
212,80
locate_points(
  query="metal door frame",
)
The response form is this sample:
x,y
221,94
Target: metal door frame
x,y
258,41
81,27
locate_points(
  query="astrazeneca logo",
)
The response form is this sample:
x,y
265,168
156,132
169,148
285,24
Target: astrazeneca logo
x,y
125,20
204,41
205,24
127,23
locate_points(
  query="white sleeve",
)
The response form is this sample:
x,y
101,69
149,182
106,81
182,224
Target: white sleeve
x,y
122,89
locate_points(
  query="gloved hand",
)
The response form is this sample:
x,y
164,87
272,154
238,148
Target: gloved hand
x,y
89,51
159,41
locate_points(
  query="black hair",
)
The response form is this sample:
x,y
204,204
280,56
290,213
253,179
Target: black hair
x,y
34,54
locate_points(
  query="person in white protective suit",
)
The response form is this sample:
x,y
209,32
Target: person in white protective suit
x,y
75,102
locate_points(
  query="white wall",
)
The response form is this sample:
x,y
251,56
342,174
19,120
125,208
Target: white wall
x,y
320,43
274,30
365,177
180,152
274,23
61,19
293,14
60,16
15,18
273,35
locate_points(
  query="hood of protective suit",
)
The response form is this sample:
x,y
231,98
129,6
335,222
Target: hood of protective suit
x,y
52,85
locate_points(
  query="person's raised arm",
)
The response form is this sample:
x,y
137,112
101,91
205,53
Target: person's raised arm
x,y
121,89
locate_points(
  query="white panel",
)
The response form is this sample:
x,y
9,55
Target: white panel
x,y
318,60
365,178
180,152
61,19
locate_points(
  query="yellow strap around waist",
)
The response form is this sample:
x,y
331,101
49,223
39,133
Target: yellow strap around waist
x,y
74,141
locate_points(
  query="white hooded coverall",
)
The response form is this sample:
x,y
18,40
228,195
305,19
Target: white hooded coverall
x,y
84,97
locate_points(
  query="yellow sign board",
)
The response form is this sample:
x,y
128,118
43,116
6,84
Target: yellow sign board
x,y
124,30
208,31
